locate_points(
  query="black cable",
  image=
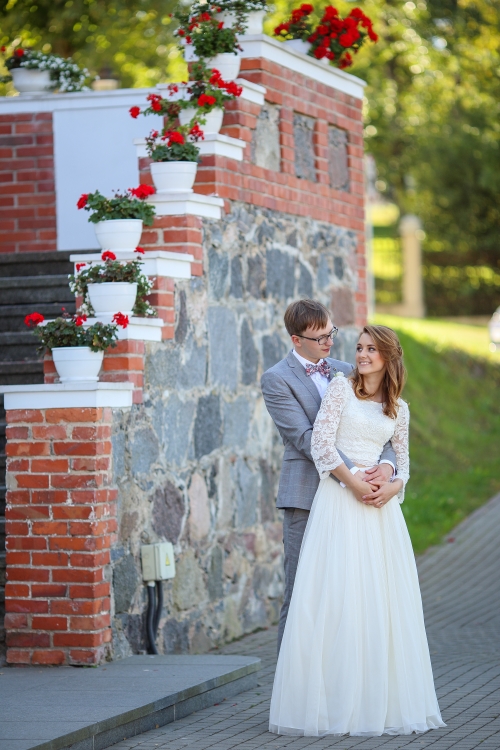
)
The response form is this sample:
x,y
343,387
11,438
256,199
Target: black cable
x,y
150,619
159,606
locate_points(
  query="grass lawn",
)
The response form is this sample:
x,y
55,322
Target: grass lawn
x,y
453,390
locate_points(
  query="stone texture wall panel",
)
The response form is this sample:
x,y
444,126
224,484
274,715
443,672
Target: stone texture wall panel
x,y
198,462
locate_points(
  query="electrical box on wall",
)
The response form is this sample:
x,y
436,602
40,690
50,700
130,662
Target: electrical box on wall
x,y
158,562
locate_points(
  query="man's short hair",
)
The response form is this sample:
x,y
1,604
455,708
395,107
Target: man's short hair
x,y
305,313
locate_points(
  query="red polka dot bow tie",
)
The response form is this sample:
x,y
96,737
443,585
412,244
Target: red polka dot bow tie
x,y
323,368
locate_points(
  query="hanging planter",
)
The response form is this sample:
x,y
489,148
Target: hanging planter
x,y
28,81
77,364
213,119
119,234
109,297
77,349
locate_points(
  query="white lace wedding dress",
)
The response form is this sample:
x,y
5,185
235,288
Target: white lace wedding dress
x,y
354,657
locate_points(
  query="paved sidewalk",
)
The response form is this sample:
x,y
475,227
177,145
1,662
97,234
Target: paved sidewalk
x,y
461,593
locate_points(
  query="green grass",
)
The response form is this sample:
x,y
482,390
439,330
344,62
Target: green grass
x,y
453,390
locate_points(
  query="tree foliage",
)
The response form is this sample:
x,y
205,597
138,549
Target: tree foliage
x,y
129,39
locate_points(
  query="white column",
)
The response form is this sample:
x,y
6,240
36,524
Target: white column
x,y
410,229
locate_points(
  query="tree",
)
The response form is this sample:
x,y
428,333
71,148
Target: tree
x,y
128,39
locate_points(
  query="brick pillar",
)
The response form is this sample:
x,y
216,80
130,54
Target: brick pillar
x,y
121,364
60,525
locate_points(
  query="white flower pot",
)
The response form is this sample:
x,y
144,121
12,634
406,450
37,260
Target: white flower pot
x,y
111,297
174,176
255,22
188,51
29,81
227,63
119,234
77,364
227,17
213,120
298,45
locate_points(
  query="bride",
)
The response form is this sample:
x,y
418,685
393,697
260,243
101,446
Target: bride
x,y
354,657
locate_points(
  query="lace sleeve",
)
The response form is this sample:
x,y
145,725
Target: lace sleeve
x,y
325,455
400,444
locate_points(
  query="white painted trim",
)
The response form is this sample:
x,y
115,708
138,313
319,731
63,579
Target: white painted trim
x,y
222,145
213,144
261,45
67,395
195,204
252,92
154,262
138,329
77,100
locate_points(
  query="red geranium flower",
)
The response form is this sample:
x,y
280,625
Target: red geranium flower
x,y
80,320
196,132
19,52
80,265
139,250
33,319
141,192
175,138
120,319
205,100
2,49
82,200
135,112
108,255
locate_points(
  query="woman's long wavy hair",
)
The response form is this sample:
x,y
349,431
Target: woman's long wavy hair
x,y
387,343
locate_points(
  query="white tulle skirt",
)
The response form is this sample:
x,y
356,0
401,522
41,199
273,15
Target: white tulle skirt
x,y
354,657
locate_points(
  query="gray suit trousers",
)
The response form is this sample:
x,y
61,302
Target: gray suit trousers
x,y
294,525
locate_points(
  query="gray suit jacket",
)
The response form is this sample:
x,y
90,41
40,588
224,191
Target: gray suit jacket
x,y
293,402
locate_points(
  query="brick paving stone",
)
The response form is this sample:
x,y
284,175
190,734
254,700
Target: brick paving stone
x,y
461,597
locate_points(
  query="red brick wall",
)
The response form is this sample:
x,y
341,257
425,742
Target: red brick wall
x,y
27,190
60,525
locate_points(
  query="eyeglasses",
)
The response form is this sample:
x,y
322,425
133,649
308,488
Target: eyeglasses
x,y
322,339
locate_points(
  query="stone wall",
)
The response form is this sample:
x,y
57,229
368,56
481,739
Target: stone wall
x,y
197,463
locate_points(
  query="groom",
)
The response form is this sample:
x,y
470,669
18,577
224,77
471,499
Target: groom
x,y
293,390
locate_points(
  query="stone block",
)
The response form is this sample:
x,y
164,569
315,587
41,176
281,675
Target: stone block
x,y
268,489
223,345
176,636
182,319
265,147
168,512
247,495
126,579
161,367
188,588
305,158
249,355
144,450
342,305
256,276
193,373
175,420
199,509
207,425
236,289
280,274
305,285
218,273
215,573
338,171
236,422
273,350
